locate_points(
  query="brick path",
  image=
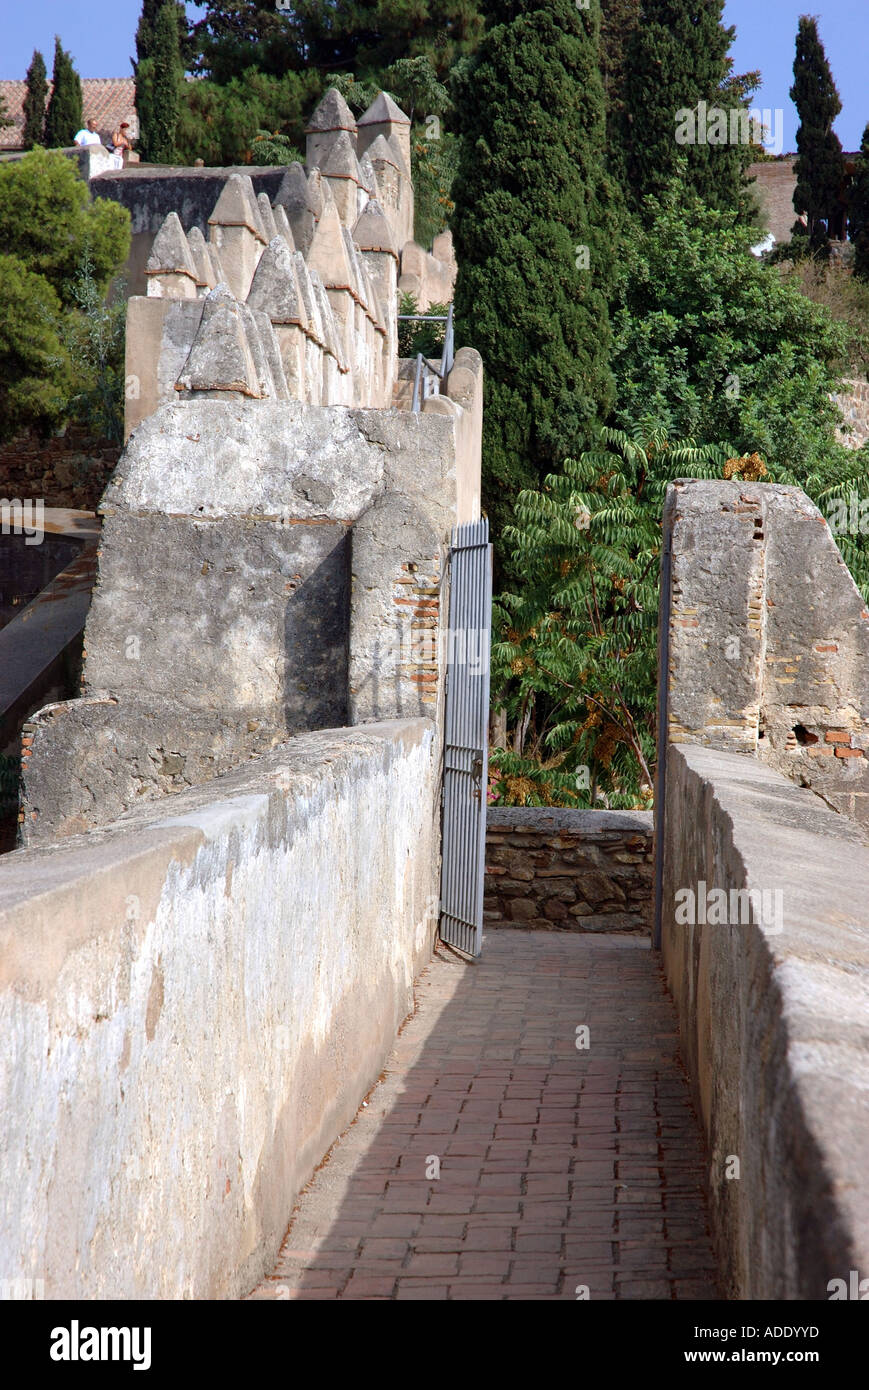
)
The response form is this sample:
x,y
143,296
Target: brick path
x,y
558,1167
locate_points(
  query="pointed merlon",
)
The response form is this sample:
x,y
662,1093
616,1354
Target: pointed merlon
x,y
383,111
236,206
313,327
275,288
205,276
358,287
371,232
333,113
273,355
220,358
317,193
332,338
267,217
170,252
381,150
341,162
367,176
292,194
282,226
261,362
328,253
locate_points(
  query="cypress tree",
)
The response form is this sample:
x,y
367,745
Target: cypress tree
x,y
858,210
34,101
159,85
533,231
675,58
820,164
146,28
64,115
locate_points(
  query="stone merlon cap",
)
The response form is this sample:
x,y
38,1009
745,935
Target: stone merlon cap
x,y
292,191
342,162
333,113
236,206
380,149
274,289
283,227
220,358
170,252
371,232
367,175
382,111
201,259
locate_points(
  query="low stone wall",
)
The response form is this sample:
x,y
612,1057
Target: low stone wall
x,y
567,870
854,405
193,1005
774,1017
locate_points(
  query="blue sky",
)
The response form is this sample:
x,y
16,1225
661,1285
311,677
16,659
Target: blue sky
x,y
99,33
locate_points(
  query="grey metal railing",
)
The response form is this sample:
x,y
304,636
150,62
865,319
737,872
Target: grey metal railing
x,y
427,379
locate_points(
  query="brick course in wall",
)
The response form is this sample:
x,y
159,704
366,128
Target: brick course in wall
x,y
568,870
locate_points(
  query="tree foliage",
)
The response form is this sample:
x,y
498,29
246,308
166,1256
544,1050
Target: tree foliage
x,y
710,343
820,164
858,210
64,115
219,124
35,370
159,86
675,58
48,221
534,230
35,97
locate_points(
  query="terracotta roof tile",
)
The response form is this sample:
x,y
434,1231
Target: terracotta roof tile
x,y
106,100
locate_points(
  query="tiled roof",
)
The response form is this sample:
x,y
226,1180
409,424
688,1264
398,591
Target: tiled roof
x,y
106,100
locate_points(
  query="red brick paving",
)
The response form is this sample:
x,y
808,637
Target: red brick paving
x,y
559,1168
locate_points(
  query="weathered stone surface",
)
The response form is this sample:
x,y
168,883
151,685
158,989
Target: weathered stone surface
x,y
294,197
774,1017
283,226
170,251
767,636
267,217
205,271
372,231
194,1006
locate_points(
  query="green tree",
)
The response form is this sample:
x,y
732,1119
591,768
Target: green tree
x,y
34,101
710,343
534,234
672,61
159,88
858,210
48,221
576,659
35,371
64,115
92,335
220,124
820,164
146,31
359,36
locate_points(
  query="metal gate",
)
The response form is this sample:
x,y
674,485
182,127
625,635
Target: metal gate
x,y
466,750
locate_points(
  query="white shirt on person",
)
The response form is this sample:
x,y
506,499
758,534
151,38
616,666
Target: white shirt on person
x,y
86,137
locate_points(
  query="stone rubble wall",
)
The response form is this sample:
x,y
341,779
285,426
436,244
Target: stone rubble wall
x,y
195,1001
568,870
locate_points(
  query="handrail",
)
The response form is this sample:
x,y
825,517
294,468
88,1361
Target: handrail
x,y
423,364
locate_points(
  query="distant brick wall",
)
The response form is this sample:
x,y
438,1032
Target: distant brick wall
x,y
565,870
774,186
68,470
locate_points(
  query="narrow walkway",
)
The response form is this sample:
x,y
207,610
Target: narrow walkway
x,y
558,1167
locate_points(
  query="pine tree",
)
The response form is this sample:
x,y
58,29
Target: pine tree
x,y
34,101
534,229
159,87
64,115
820,164
858,210
673,60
